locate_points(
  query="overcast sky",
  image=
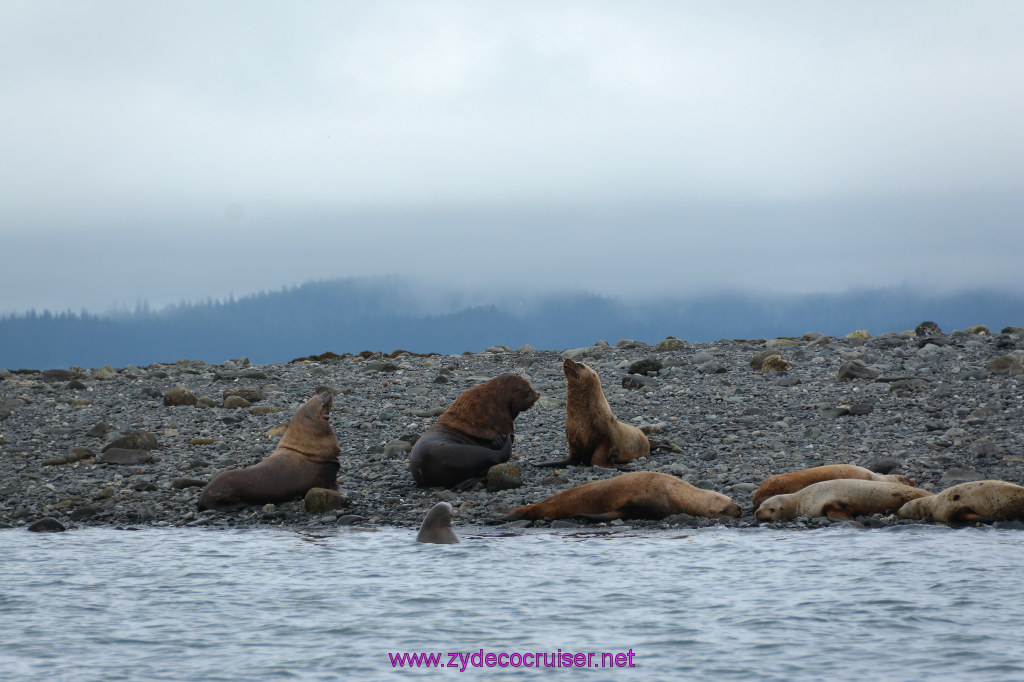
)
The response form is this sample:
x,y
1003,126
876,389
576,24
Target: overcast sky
x,y
178,150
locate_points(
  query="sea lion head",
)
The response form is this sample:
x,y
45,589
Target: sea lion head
x,y
899,478
310,432
486,411
724,507
437,526
770,509
578,372
918,509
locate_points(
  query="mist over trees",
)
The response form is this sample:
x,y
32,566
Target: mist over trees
x,y
352,315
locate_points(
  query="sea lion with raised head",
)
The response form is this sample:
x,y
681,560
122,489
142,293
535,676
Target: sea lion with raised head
x,y
984,501
305,457
840,498
473,434
634,495
595,436
793,481
437,526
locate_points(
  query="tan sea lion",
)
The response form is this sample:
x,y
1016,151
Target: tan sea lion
x,y
635,495
305,457
792,481
437,526
969,502
595,436
841,498
473,434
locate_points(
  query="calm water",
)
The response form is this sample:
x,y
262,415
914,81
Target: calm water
x,y
174,604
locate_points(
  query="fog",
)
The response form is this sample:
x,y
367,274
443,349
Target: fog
x,y
168,152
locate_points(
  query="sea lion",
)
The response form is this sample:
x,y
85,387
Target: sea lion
x,y
792,481
473,434
969,502
305,457
635,495
841,498
437,525
595,436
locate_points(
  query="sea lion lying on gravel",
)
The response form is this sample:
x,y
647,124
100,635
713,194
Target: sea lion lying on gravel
x,y
472,435
842,498
305,457
635,495
437,526
967,502
795,480
595,436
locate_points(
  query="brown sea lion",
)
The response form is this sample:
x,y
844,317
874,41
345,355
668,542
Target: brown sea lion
x,y
792,481
595,436
635,495
305,457
472,435
841,498
437,526
968,502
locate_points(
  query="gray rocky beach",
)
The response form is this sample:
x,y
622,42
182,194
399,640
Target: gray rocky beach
x,y
133,446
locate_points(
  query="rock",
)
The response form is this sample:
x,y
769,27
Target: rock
x,y
977,329
73,455
812,432
104,373
927,329
124,456
321,500
645,366
671,343
595,352
774,344
277,431
881,465
497,349
261,410
862,408
907,385
757,361
985,450
179,396
504,476
835,412
776,363
99,430
134,440
183,483
54,376
957,476
235,402
1015,331
47,525
859,334
86,511
855,370
713,367
1005,364
634,382
250,394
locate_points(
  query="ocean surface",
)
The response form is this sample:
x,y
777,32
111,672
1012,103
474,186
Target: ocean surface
x,y
841,603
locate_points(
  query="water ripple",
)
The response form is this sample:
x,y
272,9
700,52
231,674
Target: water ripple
x,y
167,604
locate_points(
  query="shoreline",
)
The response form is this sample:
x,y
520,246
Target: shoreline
x,y
940,408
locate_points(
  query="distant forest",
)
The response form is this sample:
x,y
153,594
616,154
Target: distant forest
x,y
352,315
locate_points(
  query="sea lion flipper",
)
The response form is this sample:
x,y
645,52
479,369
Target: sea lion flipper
x,y
606,516
469,483
968,516
836,510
